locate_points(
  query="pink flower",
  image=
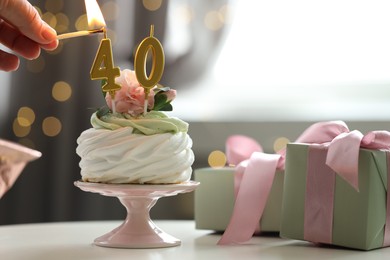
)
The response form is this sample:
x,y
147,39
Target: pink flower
x,y
131,97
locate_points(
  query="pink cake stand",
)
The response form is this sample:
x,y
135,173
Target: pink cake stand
x,y
138,230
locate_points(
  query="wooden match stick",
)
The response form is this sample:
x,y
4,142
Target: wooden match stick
x,y
79,33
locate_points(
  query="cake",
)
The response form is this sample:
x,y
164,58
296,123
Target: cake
x,y
130,146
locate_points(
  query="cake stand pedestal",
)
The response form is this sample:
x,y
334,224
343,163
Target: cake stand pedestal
x,y
138,230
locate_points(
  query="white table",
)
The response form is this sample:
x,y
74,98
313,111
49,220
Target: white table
x,y
73,240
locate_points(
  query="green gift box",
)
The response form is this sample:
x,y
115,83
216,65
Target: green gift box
x,y
359,217
214,200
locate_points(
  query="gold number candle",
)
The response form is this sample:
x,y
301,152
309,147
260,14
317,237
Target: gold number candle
x,y
103,67
152,44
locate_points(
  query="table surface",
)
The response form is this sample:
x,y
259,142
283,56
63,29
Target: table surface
x,y
73,240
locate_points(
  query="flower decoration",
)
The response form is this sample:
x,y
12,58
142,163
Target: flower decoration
x,y
131,97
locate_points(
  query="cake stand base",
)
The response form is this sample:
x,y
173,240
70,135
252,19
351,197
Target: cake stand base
x,y
138,230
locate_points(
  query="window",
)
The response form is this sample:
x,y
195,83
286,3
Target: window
x,y
298,60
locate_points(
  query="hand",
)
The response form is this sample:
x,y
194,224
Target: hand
x,y
23,32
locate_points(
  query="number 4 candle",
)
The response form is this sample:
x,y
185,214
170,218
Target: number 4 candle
x,y
103,65
107,72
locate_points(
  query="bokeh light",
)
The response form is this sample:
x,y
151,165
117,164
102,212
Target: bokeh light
x,y
51,126
217,159
213,20
62,23
81,23
20,130
280,143
50,19
152,5
61,91
26,116
185,13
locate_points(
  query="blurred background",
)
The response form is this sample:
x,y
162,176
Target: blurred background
x,y
266,69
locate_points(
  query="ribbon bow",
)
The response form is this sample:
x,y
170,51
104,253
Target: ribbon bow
x,y
258,169
343,152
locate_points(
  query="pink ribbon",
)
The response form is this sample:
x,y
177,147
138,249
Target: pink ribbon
x,y
386,239
340,156
258,171
320,179
253,182
343,153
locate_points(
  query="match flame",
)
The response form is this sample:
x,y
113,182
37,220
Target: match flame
x,y
94,15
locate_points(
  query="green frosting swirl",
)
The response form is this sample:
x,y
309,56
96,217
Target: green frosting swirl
x,y
154,122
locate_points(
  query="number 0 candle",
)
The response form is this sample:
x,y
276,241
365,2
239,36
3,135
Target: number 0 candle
x,y
150,43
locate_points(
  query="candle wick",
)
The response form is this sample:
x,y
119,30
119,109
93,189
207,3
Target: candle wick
x,y
151,30
104,32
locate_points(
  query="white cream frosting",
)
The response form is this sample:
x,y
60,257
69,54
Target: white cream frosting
x,y
120,156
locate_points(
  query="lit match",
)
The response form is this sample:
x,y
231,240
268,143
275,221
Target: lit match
x,y
79,33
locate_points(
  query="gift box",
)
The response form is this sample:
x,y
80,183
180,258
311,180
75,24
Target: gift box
x,y
323,207
215,197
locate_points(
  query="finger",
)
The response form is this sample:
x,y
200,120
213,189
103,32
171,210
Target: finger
x,y
23,16
50,46
17,42
8,62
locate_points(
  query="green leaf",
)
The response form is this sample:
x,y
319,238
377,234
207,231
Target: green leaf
x,y
167,107
161,97
102,111
160,101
